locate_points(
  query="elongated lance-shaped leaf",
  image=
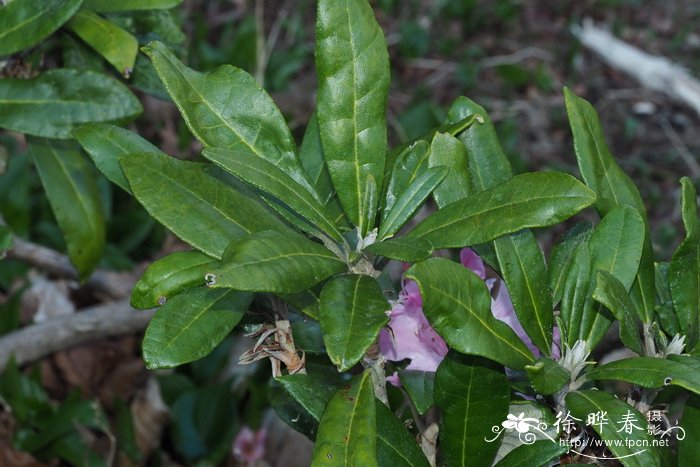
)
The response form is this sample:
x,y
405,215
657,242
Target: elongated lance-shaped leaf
x,y
625,432
528,200
275,262
537,453
115,44
353,311
409,250
448,151
419,385
107,6
347,434
613,188
616,246
267,177
24,23
610,292
458,305
576,293
352,64
227,109
105,143
410,163
473,395
395,445
169,276
547,376
562,254
525,272
74,199
689,453
684,272
198,208
411,200
191,325
54,102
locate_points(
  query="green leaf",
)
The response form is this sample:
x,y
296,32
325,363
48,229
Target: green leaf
x,y
24,23
546,376
74,199
623,444
269,178
127,5
684,272
473,395
538,453
448,151
524,270
5,240
528,200
395,446
419,385
105,143
576,293
227,109
311,393
191,324
410,200
169,276
652,372
352,64
347,433
305,302
512,439
353,311
688,451
51,104
563,254
410,250
610,292
458,305
613,188
488,163
116,45
311,157
195,206
411,162
275,262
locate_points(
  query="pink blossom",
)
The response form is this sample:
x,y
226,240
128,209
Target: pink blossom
x,y
249,445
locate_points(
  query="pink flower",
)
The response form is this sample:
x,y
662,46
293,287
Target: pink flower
x,y
249,445
410,336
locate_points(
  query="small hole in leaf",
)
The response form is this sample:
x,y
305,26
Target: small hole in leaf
x,y
210,279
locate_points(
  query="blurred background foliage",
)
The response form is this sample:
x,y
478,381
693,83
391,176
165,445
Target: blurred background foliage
x,y
92,403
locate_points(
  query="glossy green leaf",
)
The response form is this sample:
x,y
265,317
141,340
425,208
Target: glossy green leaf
x,y
195,206
227,109
5,240
612,186
347,434
610,292
410,163
473,395
652,372
305,302
488,163
448,151
576,293
563,254
191,325
538,453
127,5
267,177
524,270
24,23
353,311
352,64
395,445
547,376
688,451
72,192
311,157
633,446
409,250
116,45
105,143
513,440
275,262
684,272
54,102
169,276
410,200
458,305
419,385
528,200
311,392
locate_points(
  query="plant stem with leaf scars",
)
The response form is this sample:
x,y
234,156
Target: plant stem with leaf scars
x,y
374,362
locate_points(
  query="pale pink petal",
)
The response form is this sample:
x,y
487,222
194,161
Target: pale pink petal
x,y
471,260
556,343
502,309
249,445
394,380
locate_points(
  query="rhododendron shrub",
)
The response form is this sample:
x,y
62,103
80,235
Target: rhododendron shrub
x,y
291,244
